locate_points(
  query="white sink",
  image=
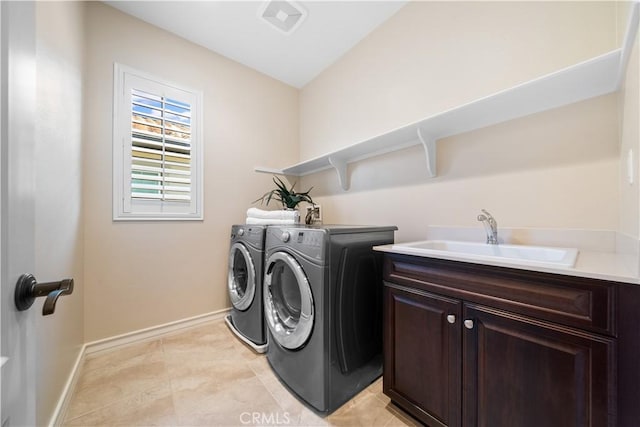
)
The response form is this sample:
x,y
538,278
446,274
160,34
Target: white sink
x,y
510,254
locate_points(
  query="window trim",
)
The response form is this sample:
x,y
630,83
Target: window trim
x,y
126,209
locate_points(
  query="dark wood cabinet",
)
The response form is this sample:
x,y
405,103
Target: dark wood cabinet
x,y
526,373
425,345
471,345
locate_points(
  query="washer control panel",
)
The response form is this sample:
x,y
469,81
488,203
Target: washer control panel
x,y
250,234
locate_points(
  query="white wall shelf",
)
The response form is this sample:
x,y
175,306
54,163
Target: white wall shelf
x,y
595,77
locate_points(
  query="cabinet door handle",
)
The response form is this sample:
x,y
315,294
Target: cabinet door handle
x,y
468,324
451,318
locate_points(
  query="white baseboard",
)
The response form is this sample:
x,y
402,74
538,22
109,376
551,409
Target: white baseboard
x,y
152,332
114,342
57,418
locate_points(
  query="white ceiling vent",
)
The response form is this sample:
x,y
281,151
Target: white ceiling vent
x,y
285,16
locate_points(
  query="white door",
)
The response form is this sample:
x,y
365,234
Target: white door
x,y
17,124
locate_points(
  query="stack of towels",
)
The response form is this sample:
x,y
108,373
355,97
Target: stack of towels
x,y
258,216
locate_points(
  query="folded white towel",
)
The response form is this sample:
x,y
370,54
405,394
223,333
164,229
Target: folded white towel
x,y
282,214
266,221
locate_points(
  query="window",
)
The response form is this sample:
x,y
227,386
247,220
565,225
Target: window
x,y
157,149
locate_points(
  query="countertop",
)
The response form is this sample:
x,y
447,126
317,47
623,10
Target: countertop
x,y
596,265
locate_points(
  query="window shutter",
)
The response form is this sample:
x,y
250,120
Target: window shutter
x,y
157,149
160,147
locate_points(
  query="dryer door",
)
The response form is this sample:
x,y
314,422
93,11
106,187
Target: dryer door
x,y
242,277
288,301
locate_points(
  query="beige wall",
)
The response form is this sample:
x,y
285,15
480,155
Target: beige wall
x,y
58,222
554,169
141,274
629,137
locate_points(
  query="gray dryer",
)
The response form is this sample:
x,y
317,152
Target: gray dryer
x,y
323,309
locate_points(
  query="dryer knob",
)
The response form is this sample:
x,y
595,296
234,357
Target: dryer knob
x,y
286,236
241,232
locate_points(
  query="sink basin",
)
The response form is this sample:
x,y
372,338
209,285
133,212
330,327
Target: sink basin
x,y
511,254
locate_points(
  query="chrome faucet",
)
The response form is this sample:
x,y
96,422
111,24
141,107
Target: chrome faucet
x,y
490,226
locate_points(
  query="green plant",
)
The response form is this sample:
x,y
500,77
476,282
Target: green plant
x,y
287,196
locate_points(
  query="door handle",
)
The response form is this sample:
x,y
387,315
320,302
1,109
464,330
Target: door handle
x,y
28,289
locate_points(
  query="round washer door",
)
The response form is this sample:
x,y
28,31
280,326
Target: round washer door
x,y
288,301
242,277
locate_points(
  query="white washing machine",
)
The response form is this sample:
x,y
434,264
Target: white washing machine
x,y
244,284
323,309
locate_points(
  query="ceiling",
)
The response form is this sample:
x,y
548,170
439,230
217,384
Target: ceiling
x,y
235,29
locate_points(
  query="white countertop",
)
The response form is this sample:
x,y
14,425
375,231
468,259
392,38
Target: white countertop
x,y
597,265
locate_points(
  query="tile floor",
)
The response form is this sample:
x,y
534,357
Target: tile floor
x,y
204,376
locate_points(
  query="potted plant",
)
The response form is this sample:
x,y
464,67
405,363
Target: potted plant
x,y
287,196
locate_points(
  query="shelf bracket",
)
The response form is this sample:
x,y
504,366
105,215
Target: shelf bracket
x,y
340,165
429,145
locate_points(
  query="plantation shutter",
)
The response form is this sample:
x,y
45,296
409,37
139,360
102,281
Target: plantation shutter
x,y
160,147
157,149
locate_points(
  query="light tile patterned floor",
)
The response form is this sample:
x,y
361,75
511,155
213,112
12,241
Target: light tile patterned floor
x,y
204,376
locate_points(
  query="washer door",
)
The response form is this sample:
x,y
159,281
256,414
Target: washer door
x,y
288,301
242,277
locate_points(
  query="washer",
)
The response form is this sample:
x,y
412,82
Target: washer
x,y
323,309
246,258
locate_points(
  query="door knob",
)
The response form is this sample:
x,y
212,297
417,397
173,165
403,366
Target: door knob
x,y
28,289
468,324
451,318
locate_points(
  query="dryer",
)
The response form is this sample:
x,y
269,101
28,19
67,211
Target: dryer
x,y
244,284
323,309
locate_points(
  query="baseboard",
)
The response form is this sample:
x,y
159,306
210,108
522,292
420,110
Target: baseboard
x,y
152,332
114,342
65,397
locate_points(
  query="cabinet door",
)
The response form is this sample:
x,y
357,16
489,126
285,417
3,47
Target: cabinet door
x,y
422,354
526,373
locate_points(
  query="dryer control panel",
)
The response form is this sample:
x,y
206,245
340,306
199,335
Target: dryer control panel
x,y
304,241
309,243
309,238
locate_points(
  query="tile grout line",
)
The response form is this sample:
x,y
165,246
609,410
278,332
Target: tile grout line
x,y
125,396
276,398
171,383
254,364
114,402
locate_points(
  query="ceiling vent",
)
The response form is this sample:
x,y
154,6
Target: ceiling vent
x,y
285,16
